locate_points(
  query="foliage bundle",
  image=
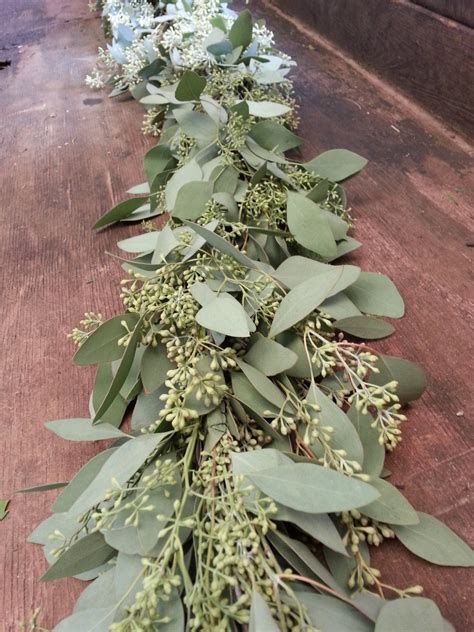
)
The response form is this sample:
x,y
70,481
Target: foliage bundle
x,y
250,484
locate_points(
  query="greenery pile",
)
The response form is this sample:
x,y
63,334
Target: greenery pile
x,y
250,484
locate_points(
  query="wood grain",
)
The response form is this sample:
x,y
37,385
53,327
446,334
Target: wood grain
x,y
63,162
459,10
66,156
430,58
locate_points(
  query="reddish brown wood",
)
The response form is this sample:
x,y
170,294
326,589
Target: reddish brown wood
x,y
459,10
63,162
66,155
427,56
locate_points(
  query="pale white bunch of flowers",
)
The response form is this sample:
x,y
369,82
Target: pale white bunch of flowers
x,y
183,31
186,39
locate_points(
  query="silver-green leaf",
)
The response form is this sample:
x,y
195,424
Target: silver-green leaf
x,y
432,540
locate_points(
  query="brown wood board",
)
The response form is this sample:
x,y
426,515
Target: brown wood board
x,y
67,155
459,10
426,55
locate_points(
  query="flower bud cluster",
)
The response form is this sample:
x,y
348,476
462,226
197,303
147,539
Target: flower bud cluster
x,y
90,322
129,502
233,557
352,367
265,203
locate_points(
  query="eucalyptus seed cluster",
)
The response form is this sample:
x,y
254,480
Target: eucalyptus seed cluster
x,y
236,131
226,86
359,530
196,380
183,144
383,403
265,203
162,576
166,296
352,366
152,121
333,200
231,231
300,417
232,555
90,322
150,609
131,501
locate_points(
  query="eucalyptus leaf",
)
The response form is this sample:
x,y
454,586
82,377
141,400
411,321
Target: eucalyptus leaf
x,y
376,294
222,245
249,396
342,566
374,452
154,367
156,161
302,368
261,619
119,212
166,242
190,172
313,488
139,539
303,300
121,465
190,86
93,620
365,327
339,306
198,125
295,269
83,430
432,540
391,506
336,164
116,411
269,356
122,372
263,384
4,508
240,33
410,377
139,189
102,344
45,487
274,137
302,559
329,614
344,435
217,113
191,200
225,315
147,408
401,615
140,243
85,554
318,526
309,225
81,481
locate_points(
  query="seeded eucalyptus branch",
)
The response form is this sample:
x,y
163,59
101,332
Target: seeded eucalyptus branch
x,y
261,414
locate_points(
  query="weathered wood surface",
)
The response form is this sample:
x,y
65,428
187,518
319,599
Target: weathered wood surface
x,y
429,57
66,155
459,10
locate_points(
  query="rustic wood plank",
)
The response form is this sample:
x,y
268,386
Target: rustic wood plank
x,y
66,155
63,162
427,56
459,10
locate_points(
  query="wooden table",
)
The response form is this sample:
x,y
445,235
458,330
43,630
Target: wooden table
x,y
67,154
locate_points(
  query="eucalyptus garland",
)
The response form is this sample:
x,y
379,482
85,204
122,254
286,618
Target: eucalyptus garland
x,y
249,485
